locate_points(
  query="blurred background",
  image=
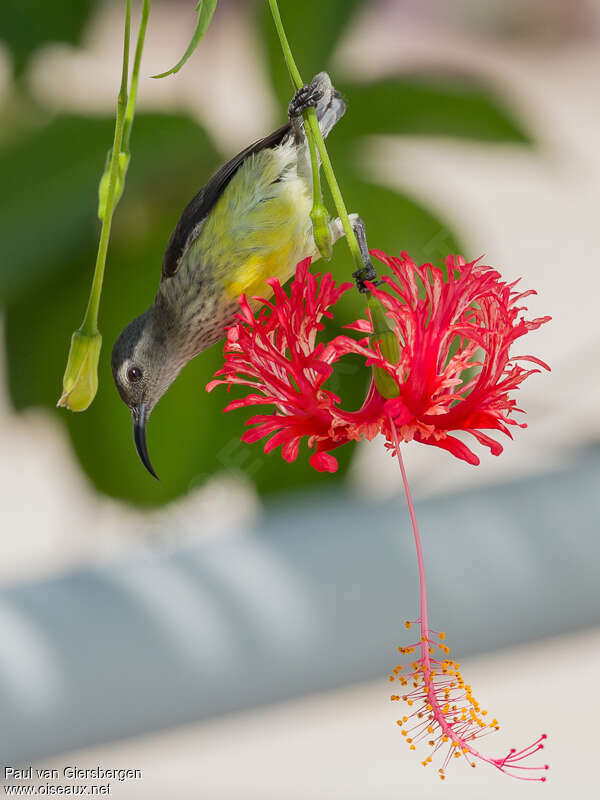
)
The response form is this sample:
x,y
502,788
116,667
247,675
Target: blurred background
x,y
230,629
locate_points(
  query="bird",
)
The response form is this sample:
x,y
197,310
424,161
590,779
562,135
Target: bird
x,y
250,222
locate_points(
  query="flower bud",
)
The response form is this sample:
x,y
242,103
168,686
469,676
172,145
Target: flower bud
x,y
389,347
80,382
123,164
322,231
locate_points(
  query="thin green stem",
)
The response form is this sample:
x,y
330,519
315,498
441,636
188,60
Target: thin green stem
x,y
335,190
89,326
130,112
285,46
297,82
315,138
316,179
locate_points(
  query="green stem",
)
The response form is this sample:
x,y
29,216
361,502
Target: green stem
x,y
285,46
89,326
335,190
316,179
315,138
130,112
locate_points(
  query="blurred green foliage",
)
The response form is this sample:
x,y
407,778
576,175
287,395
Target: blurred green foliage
x,y
49,233
25,25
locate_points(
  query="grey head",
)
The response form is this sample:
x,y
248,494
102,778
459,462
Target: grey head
x,y
144,365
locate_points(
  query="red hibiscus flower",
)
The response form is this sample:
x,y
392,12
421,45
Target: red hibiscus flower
x,y
454,371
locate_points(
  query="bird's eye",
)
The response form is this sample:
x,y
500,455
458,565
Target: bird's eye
x,y
134,374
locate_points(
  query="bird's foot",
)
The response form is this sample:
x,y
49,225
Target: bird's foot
x,y
306,97
361,276
309,95
367,272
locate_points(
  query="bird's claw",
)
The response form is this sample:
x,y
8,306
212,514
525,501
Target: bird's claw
x,y
361,276
306,97
367,272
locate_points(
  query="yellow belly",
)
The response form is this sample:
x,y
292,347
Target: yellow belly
x,y
260,227
251,278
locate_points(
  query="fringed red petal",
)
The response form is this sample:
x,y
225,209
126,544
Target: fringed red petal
x,y
455,371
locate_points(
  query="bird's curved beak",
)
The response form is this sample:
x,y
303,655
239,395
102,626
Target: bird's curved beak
x,y
140,415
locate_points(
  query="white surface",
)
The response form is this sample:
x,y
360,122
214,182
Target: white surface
x,y
345,744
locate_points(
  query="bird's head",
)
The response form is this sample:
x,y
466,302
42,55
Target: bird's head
x,y
143,370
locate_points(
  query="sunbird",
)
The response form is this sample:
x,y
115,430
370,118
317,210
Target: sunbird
x,y
250,222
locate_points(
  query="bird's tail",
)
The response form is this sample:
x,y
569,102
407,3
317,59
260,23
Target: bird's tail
x,y
331,107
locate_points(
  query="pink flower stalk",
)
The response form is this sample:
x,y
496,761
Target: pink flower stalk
x,y
442,327
446,714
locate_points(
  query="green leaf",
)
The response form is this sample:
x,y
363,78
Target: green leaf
x,y
313,28
434,106
205,10
26,25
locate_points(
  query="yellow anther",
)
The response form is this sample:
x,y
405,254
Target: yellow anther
x,y
408,624
442,635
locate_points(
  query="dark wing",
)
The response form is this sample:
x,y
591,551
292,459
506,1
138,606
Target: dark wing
x,y
198,208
